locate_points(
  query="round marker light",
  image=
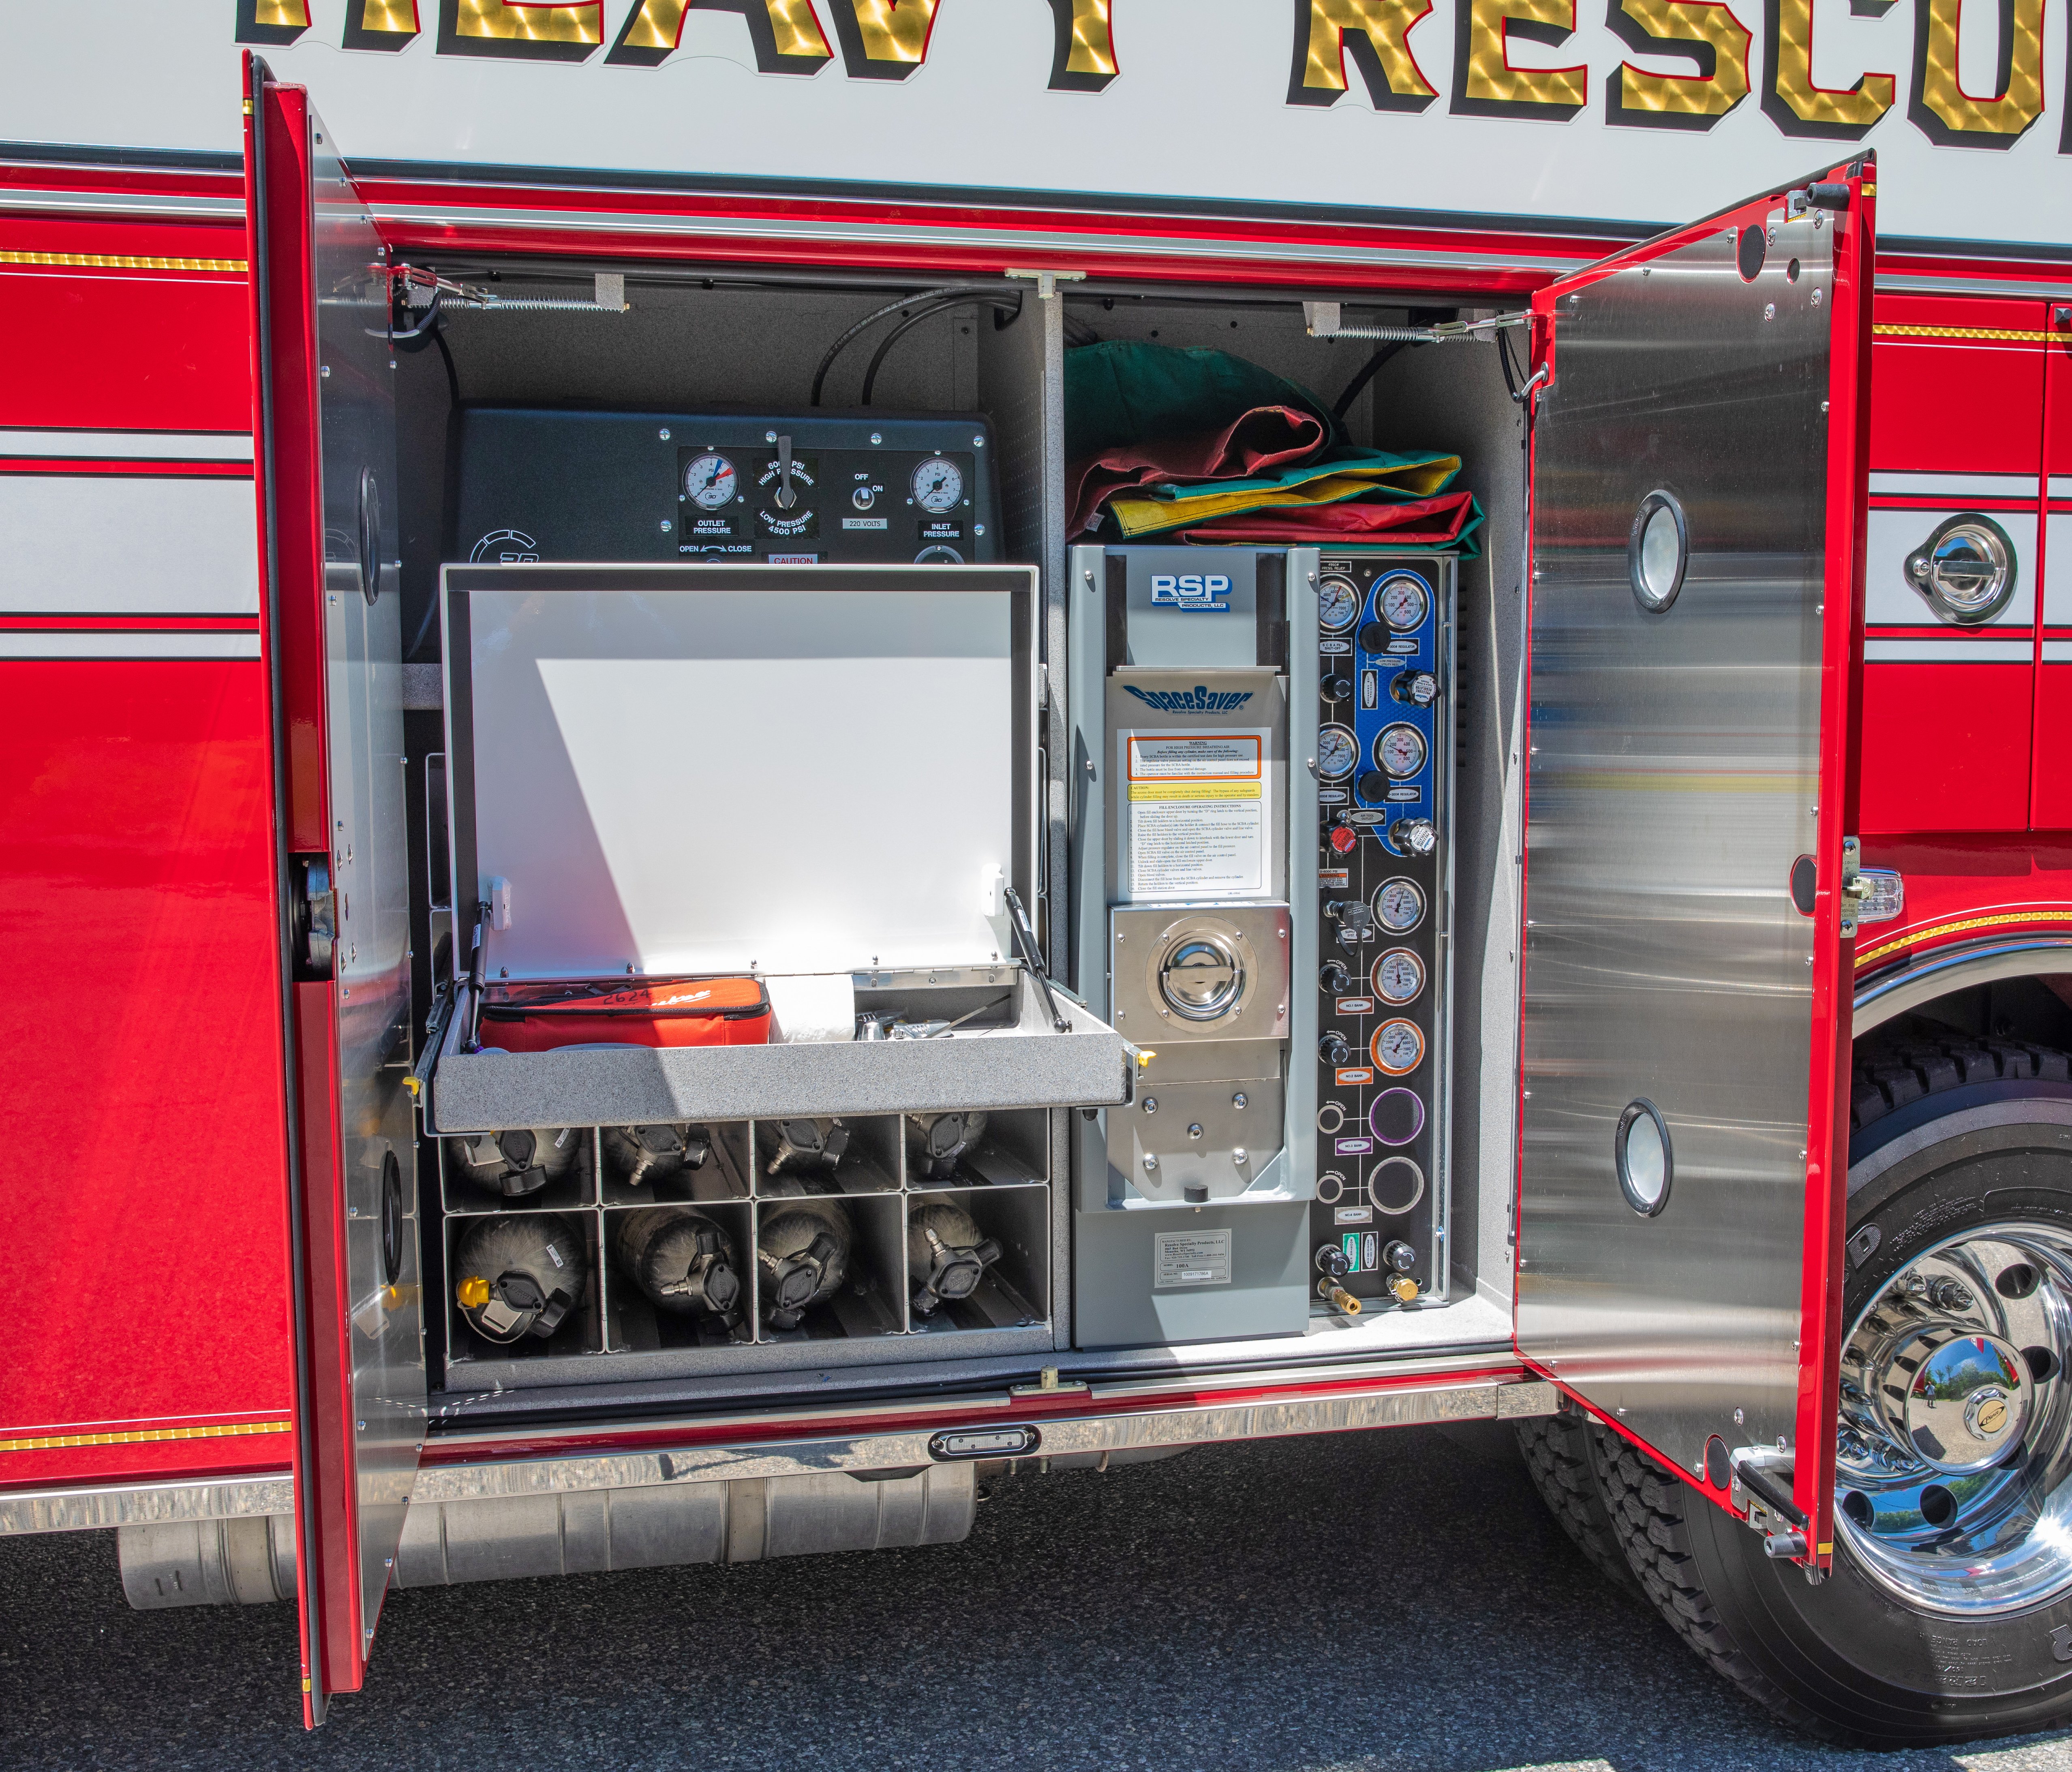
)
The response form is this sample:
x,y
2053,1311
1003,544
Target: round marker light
x,y
1657,550
1645,1159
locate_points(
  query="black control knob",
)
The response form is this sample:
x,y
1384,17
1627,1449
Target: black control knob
x,y
1414,688
1374,637
1413,837
1331,1259
1373,786
1334,978
1399,1255
1334,1048
1337,688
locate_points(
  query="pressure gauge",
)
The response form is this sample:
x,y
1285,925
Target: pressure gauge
x,y
1401,601
1399,906
710,482
938,485
1338,603
1397,1048
1399,976
1337,751
1399,751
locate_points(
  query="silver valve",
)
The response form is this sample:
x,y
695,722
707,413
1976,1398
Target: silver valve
x,y
1414,688
1413,837
787,494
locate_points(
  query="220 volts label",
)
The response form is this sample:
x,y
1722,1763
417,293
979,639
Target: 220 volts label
x,y
1190,1258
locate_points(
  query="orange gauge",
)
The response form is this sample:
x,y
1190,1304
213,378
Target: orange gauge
x,y
1397,1048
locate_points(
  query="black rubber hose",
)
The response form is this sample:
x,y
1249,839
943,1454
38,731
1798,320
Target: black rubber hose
x,y
1367,371
871,319
907,325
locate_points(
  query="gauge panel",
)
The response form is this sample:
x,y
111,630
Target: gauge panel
x,y
1384,994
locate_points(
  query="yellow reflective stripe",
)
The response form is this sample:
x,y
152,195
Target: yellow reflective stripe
x,y
46,1442
1913,936
124,261
2011,334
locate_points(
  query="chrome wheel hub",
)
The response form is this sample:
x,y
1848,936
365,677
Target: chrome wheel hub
x,y
1954,1452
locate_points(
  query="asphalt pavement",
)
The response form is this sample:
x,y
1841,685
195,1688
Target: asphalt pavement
x,y
1386,1600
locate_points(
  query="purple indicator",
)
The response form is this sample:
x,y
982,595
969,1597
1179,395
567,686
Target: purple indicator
x,y
1396,1117
1354,1147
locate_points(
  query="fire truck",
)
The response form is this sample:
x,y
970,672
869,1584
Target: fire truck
x,y
733,891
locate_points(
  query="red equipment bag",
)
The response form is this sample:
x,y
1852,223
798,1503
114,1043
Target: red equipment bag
x,y
662,1012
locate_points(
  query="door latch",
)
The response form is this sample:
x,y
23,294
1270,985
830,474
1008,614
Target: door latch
x,y
315,917
1868,894
1760,1490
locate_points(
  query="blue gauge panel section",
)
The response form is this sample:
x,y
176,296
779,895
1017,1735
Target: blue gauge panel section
x,y
1388,660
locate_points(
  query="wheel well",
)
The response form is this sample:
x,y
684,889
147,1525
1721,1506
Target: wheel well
x,y
2037,1009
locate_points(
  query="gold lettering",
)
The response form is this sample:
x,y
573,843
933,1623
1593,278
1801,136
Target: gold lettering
x,y
1942,110
786,34
1709,34
884,39
1793,102
1083,57
275,22
1376,34
522,29
380,24
1485,82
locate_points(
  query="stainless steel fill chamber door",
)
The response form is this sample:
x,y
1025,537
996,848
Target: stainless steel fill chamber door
x,y
1694,619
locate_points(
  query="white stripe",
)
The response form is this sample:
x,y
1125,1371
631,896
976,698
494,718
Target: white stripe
x,y
76,544
1891,599
2060,486
160,445
103,643
2058,651
120,202
1958,486
1950,651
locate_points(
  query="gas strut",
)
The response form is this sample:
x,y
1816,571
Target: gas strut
x,y
1025,939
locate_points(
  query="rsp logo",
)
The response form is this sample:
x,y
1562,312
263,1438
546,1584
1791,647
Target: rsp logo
x,y
1209,590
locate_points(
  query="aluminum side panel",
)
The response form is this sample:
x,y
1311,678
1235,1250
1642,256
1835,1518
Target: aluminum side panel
x,y
1675,775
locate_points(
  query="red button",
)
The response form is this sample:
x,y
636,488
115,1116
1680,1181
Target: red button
x,y
1344,840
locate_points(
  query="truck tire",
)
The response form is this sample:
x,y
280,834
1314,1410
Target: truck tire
x,y
1562,1456
1946,1617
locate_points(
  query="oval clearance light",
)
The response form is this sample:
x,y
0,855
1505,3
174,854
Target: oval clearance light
x,y
1017,1442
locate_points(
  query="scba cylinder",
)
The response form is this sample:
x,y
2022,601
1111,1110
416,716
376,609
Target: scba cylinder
x,y
683,1261
935,1142
519,1162
947,1255
638,1155
802,1254
520,1275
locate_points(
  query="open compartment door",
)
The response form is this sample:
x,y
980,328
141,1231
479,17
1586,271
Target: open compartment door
x,y
1696,612
325,424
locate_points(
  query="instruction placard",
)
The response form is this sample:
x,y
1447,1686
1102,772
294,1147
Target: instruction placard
x,y
1198,815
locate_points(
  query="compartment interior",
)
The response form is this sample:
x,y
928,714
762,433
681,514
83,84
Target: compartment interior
x,y
695,339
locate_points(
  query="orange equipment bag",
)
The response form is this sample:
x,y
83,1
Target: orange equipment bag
x,y
662,1012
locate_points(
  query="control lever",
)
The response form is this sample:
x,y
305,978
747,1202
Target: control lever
x,y
1025,939
786,497
1355,920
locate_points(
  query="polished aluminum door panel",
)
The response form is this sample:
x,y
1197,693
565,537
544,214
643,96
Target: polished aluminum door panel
x,y
1674,775
363,713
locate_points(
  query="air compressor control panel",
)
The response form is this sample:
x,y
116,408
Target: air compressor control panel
x,y
1383,768
854,489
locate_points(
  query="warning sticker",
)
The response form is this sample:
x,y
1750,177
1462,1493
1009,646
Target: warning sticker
x,y
1190,1258
1198,815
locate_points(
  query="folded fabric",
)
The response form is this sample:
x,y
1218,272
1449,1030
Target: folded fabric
x,y
1186,413
1263,439
1449,521
1339,475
